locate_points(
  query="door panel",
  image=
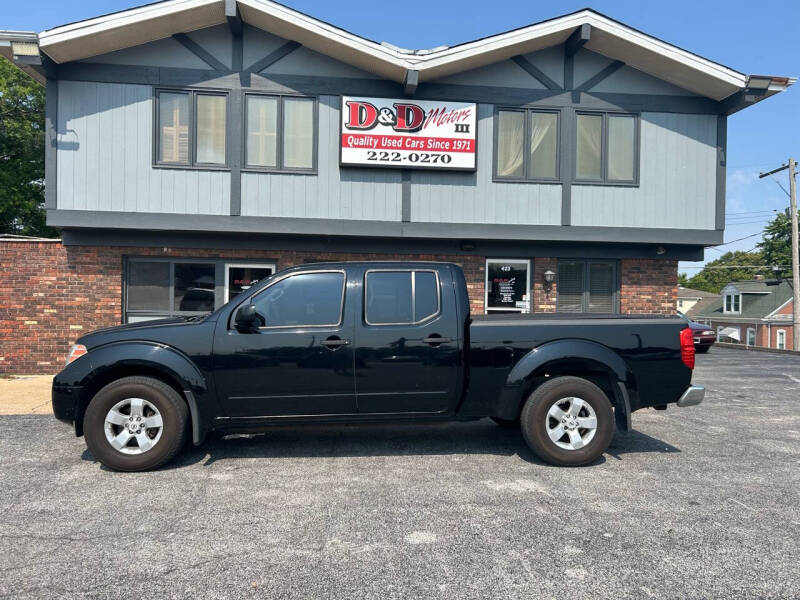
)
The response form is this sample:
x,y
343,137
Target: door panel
x,y
410,366
296,363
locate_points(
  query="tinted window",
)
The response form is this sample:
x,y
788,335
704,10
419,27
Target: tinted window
x,y
194,287
148,285
426,295
389,298
305,299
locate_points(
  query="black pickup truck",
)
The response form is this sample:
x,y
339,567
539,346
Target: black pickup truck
x,y
369,341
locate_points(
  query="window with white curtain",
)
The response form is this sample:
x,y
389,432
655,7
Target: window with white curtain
x,y
526,144
192,128
607,148
280,133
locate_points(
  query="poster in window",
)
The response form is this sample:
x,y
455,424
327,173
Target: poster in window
x,y
507,286
243,278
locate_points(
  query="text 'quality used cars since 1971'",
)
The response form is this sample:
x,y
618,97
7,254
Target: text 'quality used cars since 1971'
x,y
347,342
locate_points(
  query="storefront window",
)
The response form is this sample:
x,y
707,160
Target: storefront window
x,y
508,285
156,288
242,277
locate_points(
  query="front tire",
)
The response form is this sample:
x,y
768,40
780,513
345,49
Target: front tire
x,y
568,421
136,424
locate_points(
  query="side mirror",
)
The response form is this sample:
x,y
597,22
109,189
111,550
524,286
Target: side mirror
x,y
247,318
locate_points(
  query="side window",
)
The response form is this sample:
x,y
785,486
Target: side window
x,y
306,299
401,297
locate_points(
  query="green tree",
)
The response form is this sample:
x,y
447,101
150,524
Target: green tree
x,y
777,243
21,154
712,278
683,280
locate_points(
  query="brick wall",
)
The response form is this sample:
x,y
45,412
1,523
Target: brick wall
x,y
648,286
52,294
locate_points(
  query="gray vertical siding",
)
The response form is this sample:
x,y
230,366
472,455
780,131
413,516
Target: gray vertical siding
x,y
441,197
374,194
105,156
678,179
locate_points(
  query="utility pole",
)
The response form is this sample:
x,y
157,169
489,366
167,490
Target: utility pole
x,y
792,166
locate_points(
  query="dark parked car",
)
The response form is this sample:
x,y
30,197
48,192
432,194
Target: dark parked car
x,y
703,335
347,342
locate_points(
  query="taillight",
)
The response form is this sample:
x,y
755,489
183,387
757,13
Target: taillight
x,y
687,347
76,352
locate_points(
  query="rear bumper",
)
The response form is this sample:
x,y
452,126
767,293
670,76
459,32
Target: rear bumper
x,y
694,394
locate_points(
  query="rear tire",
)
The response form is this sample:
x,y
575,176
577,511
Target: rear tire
x,y
506,423
136,424
568,421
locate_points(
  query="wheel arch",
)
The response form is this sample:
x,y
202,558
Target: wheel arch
x,y
569,357
146,359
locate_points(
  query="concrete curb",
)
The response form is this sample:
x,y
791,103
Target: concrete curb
x,y
755,348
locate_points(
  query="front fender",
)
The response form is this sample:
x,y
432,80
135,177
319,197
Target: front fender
x,y
104,362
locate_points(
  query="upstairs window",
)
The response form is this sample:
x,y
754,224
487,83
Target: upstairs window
x,y
586,286
733,303
191,128
280,133
607,148
526,147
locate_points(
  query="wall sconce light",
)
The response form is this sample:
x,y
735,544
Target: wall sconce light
x,y
661,250
549,278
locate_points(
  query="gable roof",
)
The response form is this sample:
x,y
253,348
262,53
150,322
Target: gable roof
x,y
606,36
759,305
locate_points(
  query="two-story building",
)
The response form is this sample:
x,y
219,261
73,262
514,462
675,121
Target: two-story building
x,y
196,146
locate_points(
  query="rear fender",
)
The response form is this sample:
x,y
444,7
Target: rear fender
x,y
523,377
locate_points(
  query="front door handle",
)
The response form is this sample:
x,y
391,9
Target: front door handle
x,y
334,342
435,339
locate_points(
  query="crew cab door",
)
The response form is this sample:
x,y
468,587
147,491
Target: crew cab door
x,y
300,360
407,342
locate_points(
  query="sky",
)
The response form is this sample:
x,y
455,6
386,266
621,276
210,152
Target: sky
x,y
750,37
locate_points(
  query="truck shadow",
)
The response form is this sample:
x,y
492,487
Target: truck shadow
x,y
376,440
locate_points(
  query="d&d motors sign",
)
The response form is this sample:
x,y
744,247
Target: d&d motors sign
x,y
413,134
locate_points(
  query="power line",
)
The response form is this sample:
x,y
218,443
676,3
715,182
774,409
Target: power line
x,y
741,267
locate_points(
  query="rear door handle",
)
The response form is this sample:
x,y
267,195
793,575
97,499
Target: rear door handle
x,y
335,342
436,339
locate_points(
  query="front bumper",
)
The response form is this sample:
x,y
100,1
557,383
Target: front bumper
x,y
65,402
694,394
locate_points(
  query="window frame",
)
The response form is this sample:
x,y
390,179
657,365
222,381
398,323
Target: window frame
x,y
219,282
229,265
604,180
413,296
725,310
279,168
526,158
585,293
192,93
780,339
252,298
522,311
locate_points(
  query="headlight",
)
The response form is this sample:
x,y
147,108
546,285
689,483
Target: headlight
x,y
76,352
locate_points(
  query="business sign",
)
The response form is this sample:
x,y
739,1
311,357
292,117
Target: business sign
x,y
412,134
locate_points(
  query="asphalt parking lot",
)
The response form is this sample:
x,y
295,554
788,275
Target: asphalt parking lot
x,y
700,502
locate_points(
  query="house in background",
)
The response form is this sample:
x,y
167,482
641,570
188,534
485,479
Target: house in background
x,y
196,146
687,297
755,313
